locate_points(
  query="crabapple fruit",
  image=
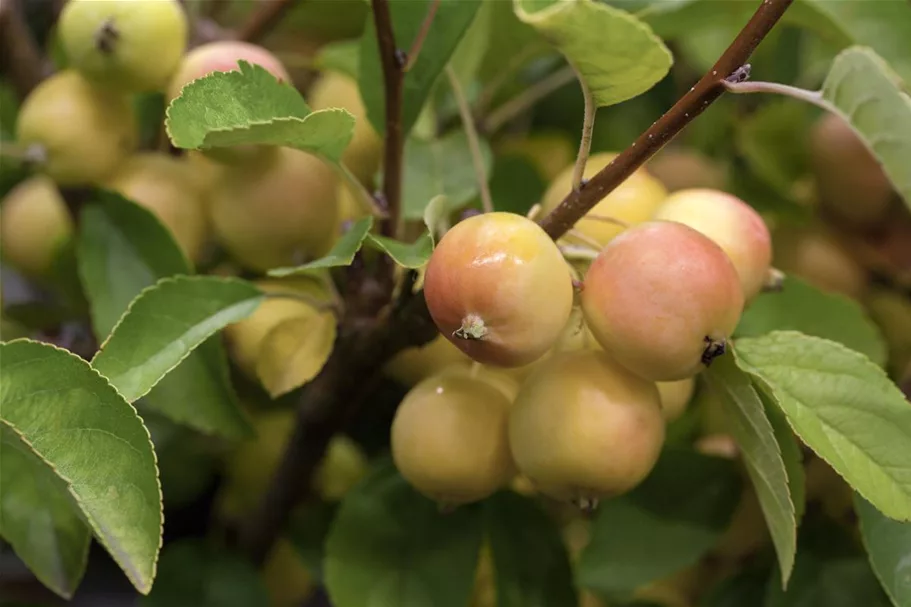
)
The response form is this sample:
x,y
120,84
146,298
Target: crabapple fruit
x,y
850,180
280,214
285,575
632,203
498,287
816,256
132,45
412,365
675,396
35,225
85,131
223,56
584,428
449,439
732,224
662,299
166,186
362,156
343,465
501,379
683,169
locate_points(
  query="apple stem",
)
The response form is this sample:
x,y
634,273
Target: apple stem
x,y
586,504
472,328
588,125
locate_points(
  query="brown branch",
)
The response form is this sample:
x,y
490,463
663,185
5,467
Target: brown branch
x,y
393,62
269,14
693,103
415,49
20,58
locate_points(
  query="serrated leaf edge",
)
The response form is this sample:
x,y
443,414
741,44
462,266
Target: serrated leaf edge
x,y
137,583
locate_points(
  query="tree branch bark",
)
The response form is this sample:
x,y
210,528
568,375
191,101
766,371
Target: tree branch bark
x,y
20,58
691,105
264,19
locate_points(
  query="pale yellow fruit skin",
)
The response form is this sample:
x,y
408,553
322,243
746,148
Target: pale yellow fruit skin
x,y
412,365
343,465
501,379
245,337
682,169
34,225
222,56
363,154
732,224
151,39
502,270
280,215
675,396
86,131
814,255
633,202
584,427
287,579
165,185
550,153
449,439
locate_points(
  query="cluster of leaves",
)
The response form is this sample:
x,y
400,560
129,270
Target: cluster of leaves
x,y
78,460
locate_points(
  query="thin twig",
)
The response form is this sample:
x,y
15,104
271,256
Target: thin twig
x,y
707,90
20,58
264,19
364,199
474,144
814,97
527,98
393,79
588,125
415,49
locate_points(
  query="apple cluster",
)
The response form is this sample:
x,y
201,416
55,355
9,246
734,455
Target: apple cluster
x,y
568,384
264,206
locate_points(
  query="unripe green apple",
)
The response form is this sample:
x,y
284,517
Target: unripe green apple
x,y
336,90
816,256
85,131
279,215
35,225
133,45
675,396
850,180
166,186
632,203
732,224
891,311
343,465
449,439
584,428
683,169
498,287
662,299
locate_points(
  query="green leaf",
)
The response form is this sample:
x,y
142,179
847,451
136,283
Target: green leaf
x,y
802,307
193,574
440,166
39,518
250,106
342,253
883,25
342,56
529,557
308,530
773,142
515,184
791,454
436,216
165,323
843,407
667,523
867,93
449,25
391,547
616,55
77,423
761,453
888,544
412,256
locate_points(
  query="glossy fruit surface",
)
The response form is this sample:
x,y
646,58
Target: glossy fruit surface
x,y
661,299
498,288
85,131
363,154
279,215
449,439
584,428
166,186
35,225
633,202
133,45
732,224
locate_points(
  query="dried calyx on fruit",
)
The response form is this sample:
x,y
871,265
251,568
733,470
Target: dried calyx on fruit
x,y
499,289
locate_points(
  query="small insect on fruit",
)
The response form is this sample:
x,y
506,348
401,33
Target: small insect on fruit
x,y
499,289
